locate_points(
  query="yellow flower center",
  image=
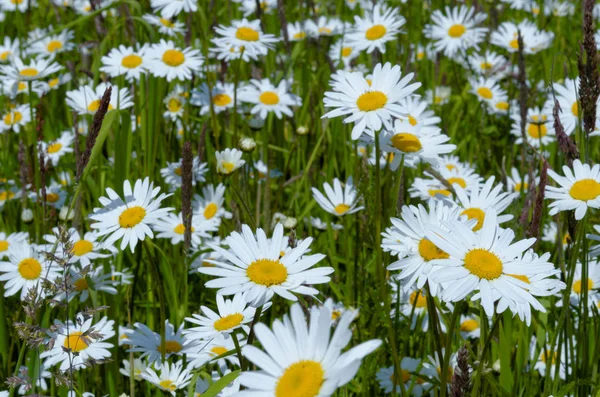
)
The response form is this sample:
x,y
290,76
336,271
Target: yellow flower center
x,y
228,322
4,245
375,32
537,131
53,82
210,210
132,216
457,30
82,247
221,100
54,45
52,198
579,286
218,350
246,34
180,229
546,356
131,61
404,374
420,55
4,55
483,264
336,314
459,181
346,51
6,195
30,268
173,57
372,100
94,105
21,87
267,272
75,342
228,167
269,98
301,379
325,30
170,346
485,93
406,142
585,189
485,66
166,22
417,299
469,325
174,105
521,186
167,384
55,147
502,105
412,120
341,209
300,35
575,109
521,277
434,192
429,251
29,72
13,118
81,284
177,171
514,44
475,213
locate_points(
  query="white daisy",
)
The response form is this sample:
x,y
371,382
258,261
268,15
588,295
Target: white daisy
x,y
246,37
84,249
266,98
211,351
143,340
319,224
489,64
228,161
125,61
539,130
210,204
470,327
343,51
220,97
338,202
9,48
129,218
139,367
96,280
8,240
170,8
165,59
324,26
254,267
297,31
172,173
487,89
578,189
567,96
86,99
172,376
410,369
171,227
456,30
16,118
35,70
375,29
165,26
58,148
534,40
51,45
518,184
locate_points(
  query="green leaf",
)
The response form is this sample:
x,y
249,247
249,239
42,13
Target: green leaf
x,y
219,385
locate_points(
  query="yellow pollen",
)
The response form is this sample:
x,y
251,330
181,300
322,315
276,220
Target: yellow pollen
x,y
180,229
210,210
30,268
456,31
173,58
131,217
406,142
485,65
469,325
325,30
419,301
375,32
521,186
75,342
131,61
459,181
4,245
6,195
178,171
537,131
502,105
94,105
166,22
228,167
55,147
167,384
483,264
475,213
54,45
420,55
82,247
52,198
546,355
301,379
405,377
346,51
269,98
13,118
579,286
4,55
53,82
485,93
341,209
247,34
174,105
218,350
267,272
575,109
170,346
221,100
585,189
29,72
22,86
514,44
429,251
300,35
336,314
566,239
434,192
412,120
81,284
372,100
228,322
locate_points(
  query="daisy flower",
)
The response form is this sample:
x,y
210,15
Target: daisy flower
x,y
35,70
254,267
16,118
96,280
534,40
25,269
568,100
411,369
248,7
9,48
9,240
210,204
211,350
319,224
486,89
221,97
51,45
84,249
172,173
165,26
77,343
266,98
169,8
487,262
324,26
343,51
55,82
578,189
370,105
594,251
417,112
478,202
591,284
415,251
518,184
130,218
297,31
171,227
175,105
139,367
165,59
14,5
338,202
456,30
539,130
489,64
409,141
58,148
550,234
470,327
230,390
245,36
375,29
299,360
125,61
438,96
86,100
412,305
546,359
143,340
232,314
172,376
464,177
228,161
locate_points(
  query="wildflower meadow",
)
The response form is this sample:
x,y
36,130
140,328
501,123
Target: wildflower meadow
x,y
309,198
